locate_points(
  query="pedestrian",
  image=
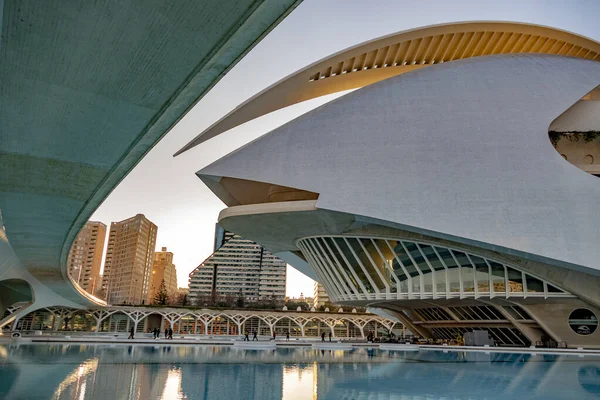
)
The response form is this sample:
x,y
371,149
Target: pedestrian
x,y
287,335
130,333
254,337
157,333
322,336
274,335
170,333
166,333
330,336
246,338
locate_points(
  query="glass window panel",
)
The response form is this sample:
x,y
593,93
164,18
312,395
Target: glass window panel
x,y
553,289
416,255
534,285
324,262
397,269
354,264
515,280
428,282
383,263
498,277
331,264
482,273
410,268
447,257
467,271
432,257
342,263
373,267
454,280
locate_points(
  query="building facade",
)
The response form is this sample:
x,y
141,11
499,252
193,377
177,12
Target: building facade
x,y
129,260
162,269
239,267
85,257
435,192
320,297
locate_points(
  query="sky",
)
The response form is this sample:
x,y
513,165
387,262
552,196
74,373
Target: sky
x,y
167,190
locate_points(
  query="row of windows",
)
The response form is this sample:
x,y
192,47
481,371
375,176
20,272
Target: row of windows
x,y
350,267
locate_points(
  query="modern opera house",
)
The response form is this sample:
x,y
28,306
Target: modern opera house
x,y
454,189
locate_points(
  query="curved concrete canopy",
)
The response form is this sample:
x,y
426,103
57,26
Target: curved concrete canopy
x,y
457,151
87,89
395,54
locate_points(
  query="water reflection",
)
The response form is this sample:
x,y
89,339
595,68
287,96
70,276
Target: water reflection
x,y
204,372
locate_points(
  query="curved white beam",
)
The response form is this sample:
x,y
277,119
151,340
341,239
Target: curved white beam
x,y
395,54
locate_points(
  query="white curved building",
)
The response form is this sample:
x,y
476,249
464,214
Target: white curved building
x,y
435,193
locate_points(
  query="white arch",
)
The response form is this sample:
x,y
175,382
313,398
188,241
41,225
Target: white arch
x,y
398,53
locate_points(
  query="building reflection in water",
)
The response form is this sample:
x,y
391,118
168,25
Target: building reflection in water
x,y
78,372
300,382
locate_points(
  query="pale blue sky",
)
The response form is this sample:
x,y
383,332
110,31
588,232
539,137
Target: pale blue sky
x,y
166,189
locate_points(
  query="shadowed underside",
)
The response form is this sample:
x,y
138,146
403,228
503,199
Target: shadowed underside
x,y
87,89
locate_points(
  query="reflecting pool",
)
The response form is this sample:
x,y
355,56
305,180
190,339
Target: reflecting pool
x,y
84,371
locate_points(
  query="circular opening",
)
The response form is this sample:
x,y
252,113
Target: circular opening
x,y
583,321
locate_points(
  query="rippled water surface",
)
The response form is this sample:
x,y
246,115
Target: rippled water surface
x,y
83,371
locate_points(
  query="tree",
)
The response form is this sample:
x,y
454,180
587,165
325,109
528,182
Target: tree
x,y
240,301
161,297
184,300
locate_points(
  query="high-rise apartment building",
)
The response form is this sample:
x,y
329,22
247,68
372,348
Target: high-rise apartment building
x,y
162,269
320,297
129,259
85,256
239,265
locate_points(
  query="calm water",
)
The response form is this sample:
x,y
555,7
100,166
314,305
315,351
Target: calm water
x,y
42,371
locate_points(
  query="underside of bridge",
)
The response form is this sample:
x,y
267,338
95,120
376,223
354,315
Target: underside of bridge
x,y
87,89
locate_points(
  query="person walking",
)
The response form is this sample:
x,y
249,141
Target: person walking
x,y
287,335
254,337
246,338
322,336
274,335
130,333
170,333
166,333
330,336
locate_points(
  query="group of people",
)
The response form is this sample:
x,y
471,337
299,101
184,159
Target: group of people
x,y
168,333
370,336
155,332
255,335
323,336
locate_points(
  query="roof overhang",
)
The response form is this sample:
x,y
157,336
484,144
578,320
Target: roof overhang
x,y
398,53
